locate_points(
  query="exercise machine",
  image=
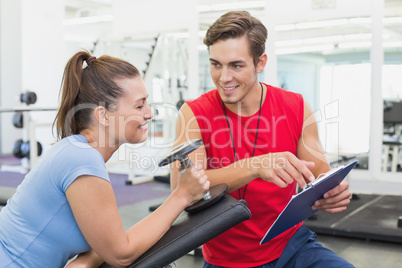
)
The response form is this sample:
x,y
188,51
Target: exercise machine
x,y
214,214
27,149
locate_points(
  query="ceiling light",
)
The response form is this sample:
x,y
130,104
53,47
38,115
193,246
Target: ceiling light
x,y
232,6
325,39
357,36
392,20
392,44
286,43
87,20
305,49
285,27
355,45
320,24
360,20
179,35
283,51
316,48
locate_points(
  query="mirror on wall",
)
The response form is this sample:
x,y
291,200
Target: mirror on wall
x,y
391,87
392,117
328,61
323,52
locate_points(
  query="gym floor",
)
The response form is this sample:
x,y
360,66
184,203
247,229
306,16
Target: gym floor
x,y
360,252
135,201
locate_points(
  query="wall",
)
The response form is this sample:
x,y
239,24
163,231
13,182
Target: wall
x,y
305,10
10,68
31,59
300,73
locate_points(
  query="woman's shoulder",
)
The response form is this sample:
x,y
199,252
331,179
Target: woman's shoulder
x,y
76,149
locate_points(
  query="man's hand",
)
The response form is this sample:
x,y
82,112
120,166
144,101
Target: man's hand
x,y
284,168
335,200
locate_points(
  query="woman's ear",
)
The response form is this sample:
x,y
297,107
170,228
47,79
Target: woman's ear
x,y
102,116
261,63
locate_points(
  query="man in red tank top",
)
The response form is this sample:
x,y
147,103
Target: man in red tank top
x,y
261,141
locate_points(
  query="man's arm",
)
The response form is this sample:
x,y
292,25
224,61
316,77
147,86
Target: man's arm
x,y
278,168
187,128
309,146
310,149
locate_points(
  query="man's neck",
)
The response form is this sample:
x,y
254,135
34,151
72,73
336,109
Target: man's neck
x,y
250,104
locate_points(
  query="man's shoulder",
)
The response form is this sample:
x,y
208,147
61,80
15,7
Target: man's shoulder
x,y
211,96
284,97
204,103
280,92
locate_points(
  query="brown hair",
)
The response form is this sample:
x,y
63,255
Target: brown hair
x,y
236,24
83,89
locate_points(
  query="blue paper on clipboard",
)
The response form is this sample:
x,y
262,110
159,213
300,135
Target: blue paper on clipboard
x,y
299,207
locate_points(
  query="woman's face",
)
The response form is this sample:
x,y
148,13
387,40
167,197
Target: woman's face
x,y
132,112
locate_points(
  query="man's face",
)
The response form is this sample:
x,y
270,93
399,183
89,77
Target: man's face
x,y
232,70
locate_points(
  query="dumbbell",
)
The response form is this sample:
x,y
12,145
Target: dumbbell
x,y
22,149
180,153
28,97
18,120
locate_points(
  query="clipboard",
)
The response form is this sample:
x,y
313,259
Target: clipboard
x,y
299,207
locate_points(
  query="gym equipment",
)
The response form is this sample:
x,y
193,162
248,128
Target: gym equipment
x,y
22,149
181,101
5,194
191,230
369,217
27,109
215,194
392,139
392,112
27,151
28,97
151,56
197,226
180,153
18,120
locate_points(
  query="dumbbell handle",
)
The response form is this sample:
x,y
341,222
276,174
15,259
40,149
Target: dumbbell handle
x,y
185,164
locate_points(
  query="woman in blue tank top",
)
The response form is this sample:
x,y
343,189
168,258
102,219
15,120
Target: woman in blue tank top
x,y
66,206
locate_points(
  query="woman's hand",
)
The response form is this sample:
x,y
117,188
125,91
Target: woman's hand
x,y
193,183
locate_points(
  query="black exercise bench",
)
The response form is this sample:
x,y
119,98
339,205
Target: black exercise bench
x,y
191,230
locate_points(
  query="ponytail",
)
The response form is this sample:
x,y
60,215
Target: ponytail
x,y
83,89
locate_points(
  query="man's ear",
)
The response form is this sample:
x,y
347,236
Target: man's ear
x,y
261,63
102,116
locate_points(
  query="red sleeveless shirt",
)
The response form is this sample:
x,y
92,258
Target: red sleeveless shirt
x,y
280,128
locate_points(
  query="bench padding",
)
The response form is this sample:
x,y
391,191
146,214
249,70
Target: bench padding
x,y
190,231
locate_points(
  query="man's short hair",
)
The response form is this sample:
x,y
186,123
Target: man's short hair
x,y
236,24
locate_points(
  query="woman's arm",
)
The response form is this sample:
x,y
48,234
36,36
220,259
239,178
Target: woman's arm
x,y
94,207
